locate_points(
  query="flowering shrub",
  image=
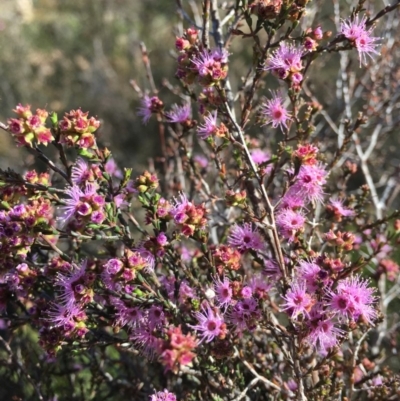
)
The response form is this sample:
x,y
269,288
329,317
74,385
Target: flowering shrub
x,y
250,263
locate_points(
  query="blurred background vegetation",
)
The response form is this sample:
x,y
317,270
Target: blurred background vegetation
x,y
68,54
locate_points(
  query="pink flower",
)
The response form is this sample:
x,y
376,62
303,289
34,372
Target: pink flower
x,y
74,286
179,114
247,306
149,105
155,317
201,160
245,237
291,200
289,223
210,324
209,127
146,256
285,60
186,292
324,335
80,172
65,316
112,169
220,55
271,270
274,112
312,274
309,182
146,342
163,396
244,315
203,63
336,206
354,299
130,316
75,203
259,285
211,65
259,156
298,301
356,32
246,292
223,291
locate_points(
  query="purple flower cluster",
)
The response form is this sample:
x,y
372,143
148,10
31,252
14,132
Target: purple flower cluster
x,y
286,63
360,36
274,112
244,255
322,307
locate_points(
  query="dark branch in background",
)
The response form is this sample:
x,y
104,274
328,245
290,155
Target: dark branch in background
x,y
21,367
206,24
45,159
381,13
147,66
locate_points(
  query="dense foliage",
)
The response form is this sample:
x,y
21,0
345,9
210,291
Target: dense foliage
x,y
254,259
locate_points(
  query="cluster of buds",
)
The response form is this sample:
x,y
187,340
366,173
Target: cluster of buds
x,y
146,182
188,40
226,258
209,66
12,186
388,267
344,241
159,212
76,129
155,245
313,36
233,198
296,10
118,274
209,99
57,265
29,129
188,216
20,225
266,9
20,279
42,179
177,350
334,265
306,154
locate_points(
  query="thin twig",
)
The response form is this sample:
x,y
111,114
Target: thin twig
x,y
270,219
55,248
147,66
45,159
261,378
206,24
244,392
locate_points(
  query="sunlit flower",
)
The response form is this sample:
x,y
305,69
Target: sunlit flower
x,y
356,31
273,111
210,324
